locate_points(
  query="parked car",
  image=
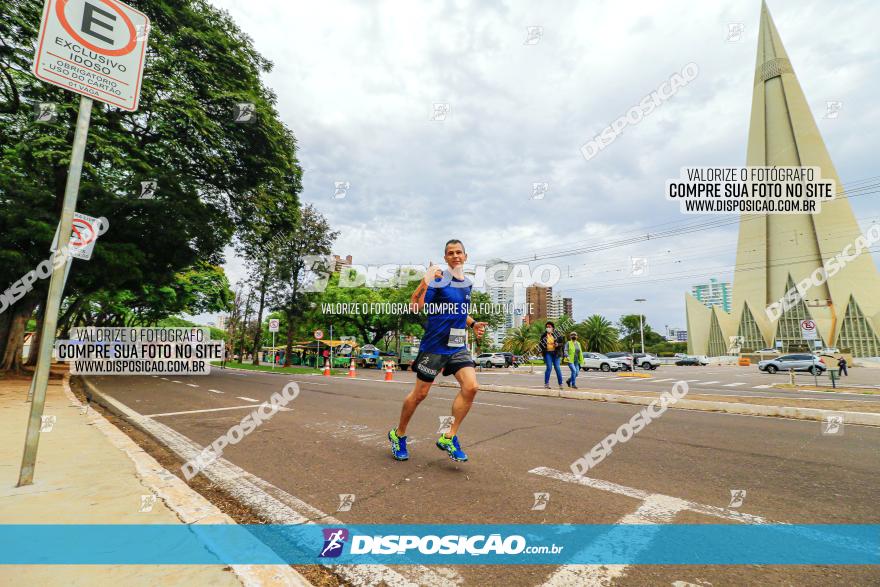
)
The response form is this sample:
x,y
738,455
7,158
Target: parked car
x,y
646,361
599,362
767,351
408,354
695,361
489,360
624,360
798,362
510,359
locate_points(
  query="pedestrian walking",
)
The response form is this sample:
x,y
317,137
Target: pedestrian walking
x,y
575,356
841,362
551,348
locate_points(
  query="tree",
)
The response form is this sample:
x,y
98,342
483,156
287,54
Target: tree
x,y
312,238
631,334
597,334
210,170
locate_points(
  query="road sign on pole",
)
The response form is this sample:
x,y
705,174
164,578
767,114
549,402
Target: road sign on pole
x,y
808,329
274,323
95,48
85,230
319,334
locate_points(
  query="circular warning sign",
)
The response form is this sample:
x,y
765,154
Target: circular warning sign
x,y
98,22
82,233
319,334
808,325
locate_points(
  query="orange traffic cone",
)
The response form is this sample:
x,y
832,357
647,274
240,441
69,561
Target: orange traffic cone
x,y
351,370
327,369
389,374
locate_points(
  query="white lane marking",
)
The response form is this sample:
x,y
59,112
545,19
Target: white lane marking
x,y
154,376
175,381
659,380
449,399
215,391
762,387
247,407
710,382
655,509
248,399
692,380
734,384
279,507
165,378
192,385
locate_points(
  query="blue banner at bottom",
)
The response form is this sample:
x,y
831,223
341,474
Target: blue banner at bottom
x,y
678,544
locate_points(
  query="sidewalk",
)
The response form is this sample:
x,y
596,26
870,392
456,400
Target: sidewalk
x,y
89,472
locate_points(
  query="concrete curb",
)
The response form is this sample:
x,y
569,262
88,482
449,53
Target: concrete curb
x,y
864,418
189,505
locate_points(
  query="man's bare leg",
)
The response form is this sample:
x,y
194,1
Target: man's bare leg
x,y
467,380
412,401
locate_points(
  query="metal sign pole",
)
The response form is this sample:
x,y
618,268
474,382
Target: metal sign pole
x,y
30,396
53,300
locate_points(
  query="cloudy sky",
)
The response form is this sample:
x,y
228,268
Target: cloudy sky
x,y
357,82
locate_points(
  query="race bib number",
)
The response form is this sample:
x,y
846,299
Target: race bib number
x,y
457,337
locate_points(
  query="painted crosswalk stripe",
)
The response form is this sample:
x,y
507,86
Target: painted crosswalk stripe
x,y
248,399
710,382
762,387
215,391
176,381
192,385
655,509
692,380
734,384
659,380
165,378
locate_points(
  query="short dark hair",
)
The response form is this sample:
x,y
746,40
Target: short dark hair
x,y
550,324
453,241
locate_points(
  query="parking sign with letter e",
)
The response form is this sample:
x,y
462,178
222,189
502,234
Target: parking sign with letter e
x,y
95,48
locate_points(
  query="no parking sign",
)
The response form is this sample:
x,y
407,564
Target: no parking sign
x,y
808,329
84,231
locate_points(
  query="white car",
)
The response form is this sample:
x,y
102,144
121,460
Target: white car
x,y
768,351
598,361
646,361
489,360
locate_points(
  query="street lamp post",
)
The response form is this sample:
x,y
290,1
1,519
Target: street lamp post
x,y
642,326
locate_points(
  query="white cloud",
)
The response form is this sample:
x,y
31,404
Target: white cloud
x,y
356,82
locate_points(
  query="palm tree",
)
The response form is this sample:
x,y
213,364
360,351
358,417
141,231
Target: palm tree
x,y
598,334
519,340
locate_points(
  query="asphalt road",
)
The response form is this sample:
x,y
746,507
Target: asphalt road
x,y
334,442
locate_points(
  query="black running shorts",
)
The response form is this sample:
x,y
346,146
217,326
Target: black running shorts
x,y
428,365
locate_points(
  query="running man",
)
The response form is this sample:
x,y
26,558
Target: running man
x,y
443,348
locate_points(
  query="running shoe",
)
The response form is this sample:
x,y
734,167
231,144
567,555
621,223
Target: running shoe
x,y
452,448
398,445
